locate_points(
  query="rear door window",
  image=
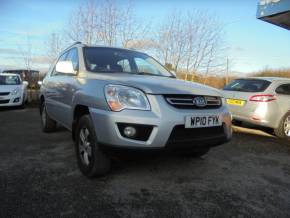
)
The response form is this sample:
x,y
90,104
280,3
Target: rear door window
x,y
248,85
283,89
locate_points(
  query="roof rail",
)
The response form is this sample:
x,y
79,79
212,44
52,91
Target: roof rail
x,y
75,43
78,42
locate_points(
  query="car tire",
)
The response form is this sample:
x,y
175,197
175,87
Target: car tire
x,y
92,161
23,104
283,130
48,124
196,153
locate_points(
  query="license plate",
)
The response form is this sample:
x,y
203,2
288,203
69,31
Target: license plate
x,y
200,121
1,98
235,102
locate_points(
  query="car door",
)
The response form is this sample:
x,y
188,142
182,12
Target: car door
x,y
50,88
66,87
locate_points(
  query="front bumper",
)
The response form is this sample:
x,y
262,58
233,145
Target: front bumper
x,y
164,119
11,100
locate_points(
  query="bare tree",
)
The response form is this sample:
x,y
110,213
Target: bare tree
x,y
110,21
141,44
171,40
83,23
133,31
55,45
26,53
107,23
190,42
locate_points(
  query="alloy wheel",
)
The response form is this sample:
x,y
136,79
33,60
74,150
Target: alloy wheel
x,y
287,126
85,149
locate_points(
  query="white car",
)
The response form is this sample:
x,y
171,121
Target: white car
x,y
13,91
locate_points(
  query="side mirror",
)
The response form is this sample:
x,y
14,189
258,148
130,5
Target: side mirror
x,y
25,83
173,72
65,67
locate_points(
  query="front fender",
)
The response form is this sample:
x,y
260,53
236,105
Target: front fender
x,y
90,94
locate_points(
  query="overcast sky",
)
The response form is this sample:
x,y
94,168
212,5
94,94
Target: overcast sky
x,y
251,44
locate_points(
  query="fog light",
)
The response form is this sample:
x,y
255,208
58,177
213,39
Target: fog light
x,y
16,100
135,131
129,131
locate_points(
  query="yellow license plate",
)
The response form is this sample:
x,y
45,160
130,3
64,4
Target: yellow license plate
x,y
235,102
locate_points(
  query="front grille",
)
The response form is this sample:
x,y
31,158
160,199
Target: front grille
x,y
4,101
182,134
4,93
187,101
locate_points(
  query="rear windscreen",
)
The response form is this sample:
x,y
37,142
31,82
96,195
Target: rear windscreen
x,y
248,85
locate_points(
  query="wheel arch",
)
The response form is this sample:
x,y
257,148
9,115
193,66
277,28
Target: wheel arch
x,y
79,111
281,118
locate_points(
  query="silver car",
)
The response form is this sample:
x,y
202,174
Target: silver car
x,y
111,97
263,101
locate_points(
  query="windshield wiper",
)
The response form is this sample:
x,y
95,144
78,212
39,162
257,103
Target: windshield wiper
x,y
151,74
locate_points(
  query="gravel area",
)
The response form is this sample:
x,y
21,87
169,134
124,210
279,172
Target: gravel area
x,y
39,177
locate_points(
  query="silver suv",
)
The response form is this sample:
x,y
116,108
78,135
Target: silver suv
x,y
112,97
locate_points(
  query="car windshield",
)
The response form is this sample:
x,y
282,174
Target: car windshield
x,y
9,80
248,85
111,60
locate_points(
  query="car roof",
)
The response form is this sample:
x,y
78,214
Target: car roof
x,y
104,46
20,69
81,45
9,74
270,79
110,47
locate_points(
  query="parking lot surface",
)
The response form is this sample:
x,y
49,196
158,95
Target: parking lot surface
x,y
248,177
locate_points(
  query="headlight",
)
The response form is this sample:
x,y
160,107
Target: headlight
x,y
223,101
15,91
123,97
